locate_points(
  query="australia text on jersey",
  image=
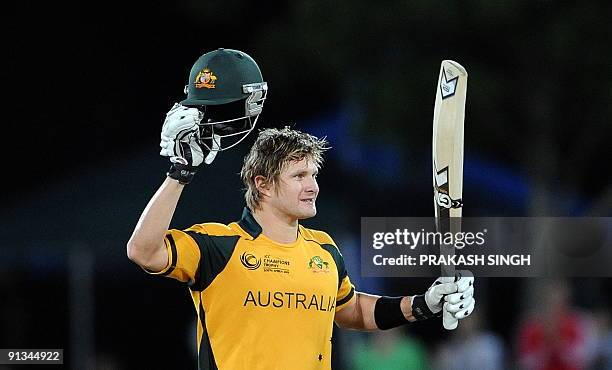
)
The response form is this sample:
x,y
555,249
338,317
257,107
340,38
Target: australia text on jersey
x,y
292,300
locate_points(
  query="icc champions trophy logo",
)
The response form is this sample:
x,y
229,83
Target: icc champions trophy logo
x,y
250,261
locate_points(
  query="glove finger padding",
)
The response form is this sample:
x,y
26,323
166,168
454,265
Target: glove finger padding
x,y
175,125
166,148
466,280
179,119
462,310
434,296
443,289
461,305
459,296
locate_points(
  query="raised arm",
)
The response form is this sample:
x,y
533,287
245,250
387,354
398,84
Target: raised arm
x,y
179,137
146,246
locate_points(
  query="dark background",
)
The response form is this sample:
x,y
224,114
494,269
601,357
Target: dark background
x,y
87,87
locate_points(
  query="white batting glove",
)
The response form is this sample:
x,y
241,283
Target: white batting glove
x,y
461,304
179,136
180,140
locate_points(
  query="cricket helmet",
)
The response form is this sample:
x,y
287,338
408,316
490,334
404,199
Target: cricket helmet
x,y
227,87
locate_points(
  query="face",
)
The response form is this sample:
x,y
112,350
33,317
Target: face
x,y
295,194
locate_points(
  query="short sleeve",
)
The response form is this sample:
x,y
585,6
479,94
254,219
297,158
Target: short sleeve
x,y
183,257
346,293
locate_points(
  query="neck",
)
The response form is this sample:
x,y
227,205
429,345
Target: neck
x,y
277,226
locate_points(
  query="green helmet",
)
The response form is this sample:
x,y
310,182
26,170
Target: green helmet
x,y
219,77
227,87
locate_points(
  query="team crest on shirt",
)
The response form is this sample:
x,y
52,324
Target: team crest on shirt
x,y
317,265
205,79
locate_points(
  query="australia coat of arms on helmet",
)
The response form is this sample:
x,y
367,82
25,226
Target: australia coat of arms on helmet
x,y
205,79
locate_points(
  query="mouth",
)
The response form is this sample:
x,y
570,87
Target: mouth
x,y
308,201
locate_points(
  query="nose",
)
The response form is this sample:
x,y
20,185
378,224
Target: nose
x,y
312,186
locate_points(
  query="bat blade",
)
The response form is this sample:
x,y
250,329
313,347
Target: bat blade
x,y
447,143
447,155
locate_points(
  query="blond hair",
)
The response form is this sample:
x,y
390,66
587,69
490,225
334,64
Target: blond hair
x,y
272,151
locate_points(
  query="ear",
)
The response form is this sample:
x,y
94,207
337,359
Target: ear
x,y
262,185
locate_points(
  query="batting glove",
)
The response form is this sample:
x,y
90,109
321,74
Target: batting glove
x,y
431,303
180,141
461,304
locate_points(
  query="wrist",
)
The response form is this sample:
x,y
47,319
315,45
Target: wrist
x,y
406,306
182,173
388,312
420,310
175,181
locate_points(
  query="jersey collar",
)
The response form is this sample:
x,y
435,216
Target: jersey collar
x,y
249,224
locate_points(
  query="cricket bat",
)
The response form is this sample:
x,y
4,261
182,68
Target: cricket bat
x,y
447,152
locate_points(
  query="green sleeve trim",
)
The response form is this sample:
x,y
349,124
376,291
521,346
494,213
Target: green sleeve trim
x,y
215,252
171,260
338,259
347,298
174,256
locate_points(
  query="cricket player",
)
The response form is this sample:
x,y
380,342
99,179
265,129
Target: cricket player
x,y
266,290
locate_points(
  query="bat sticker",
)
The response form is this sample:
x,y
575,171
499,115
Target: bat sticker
x,y
448,87
441,191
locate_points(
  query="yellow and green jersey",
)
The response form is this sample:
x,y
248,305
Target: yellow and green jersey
x,y
260,304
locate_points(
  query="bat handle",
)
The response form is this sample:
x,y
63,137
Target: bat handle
x,y
448,320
